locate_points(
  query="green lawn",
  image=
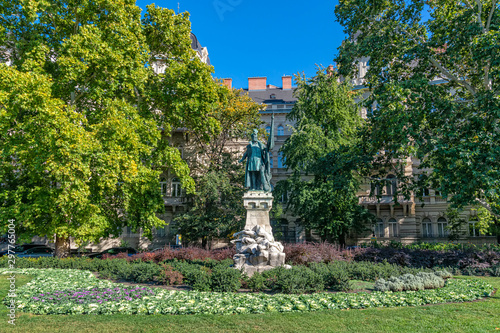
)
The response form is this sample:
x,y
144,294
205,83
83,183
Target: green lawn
x,y
482,316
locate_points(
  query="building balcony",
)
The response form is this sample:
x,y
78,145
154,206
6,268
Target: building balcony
x,y
174,201
384,199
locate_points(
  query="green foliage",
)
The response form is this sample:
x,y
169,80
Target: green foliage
x,y
434,94
298,279
257,282
410,282
335,275
324,144
88,119
49,281
225,279
144,272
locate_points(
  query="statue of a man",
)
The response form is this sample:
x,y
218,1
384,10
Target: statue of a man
x,y
258,168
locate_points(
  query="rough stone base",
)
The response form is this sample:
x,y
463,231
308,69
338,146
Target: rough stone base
x,y
251,270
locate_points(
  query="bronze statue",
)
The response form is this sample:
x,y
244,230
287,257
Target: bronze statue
x,y
258,168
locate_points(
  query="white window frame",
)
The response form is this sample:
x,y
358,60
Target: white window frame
x,y
441,225
280,130
393,228
175,188
427,228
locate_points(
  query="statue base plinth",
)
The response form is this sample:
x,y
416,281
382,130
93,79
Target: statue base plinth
x,y
257,249
258,204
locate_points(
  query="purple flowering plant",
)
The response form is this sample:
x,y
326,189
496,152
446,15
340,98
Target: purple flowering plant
x,y
95,295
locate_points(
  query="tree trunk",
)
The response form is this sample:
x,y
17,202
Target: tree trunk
x,y
308,235
62,247
342,240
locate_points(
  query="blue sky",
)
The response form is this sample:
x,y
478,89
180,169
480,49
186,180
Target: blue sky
x,y
247,38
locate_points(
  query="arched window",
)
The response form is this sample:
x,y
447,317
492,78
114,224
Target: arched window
x,y
176,187
163,186
426,228
268,129
379,228
392,186
393,228
442,230
281,130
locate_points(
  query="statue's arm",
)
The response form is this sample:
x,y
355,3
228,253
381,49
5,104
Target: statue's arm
x,y
245,155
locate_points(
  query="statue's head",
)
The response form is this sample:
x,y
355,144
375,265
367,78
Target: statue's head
x,y
255,135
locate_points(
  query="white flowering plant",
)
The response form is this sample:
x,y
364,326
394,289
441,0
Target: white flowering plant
x,y
64,291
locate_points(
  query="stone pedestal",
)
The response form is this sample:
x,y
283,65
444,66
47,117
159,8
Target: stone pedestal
x,y
257,250
258,204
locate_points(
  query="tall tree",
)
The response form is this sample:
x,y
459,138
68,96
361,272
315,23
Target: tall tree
x,y
216,209
434,69
84,119
322,153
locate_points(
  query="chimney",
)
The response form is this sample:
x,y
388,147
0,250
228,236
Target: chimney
x,y
228,83
257,83
330,70
287,82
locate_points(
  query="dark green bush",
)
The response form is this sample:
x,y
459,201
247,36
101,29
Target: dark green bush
x,y
200,279
143,272
225,279
298,279
335,275
257,282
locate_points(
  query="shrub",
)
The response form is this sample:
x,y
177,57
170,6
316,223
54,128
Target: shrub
x,y
298,279
431,280
445,274
335,275
225,279
169,276
409,282
200,279
257,282
495,270
144,272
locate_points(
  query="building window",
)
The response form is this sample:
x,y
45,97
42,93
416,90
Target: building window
x,y
281,130
272,96
160,232
426,228
392,186
379,228
268,129
176,187
375,189
474,229
271,162
393,228
281,160
442,230
128,232
163,186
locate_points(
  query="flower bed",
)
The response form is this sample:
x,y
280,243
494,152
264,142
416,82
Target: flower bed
x,y
160,301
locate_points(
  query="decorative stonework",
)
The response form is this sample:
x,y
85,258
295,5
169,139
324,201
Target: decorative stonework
x,y
257,249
